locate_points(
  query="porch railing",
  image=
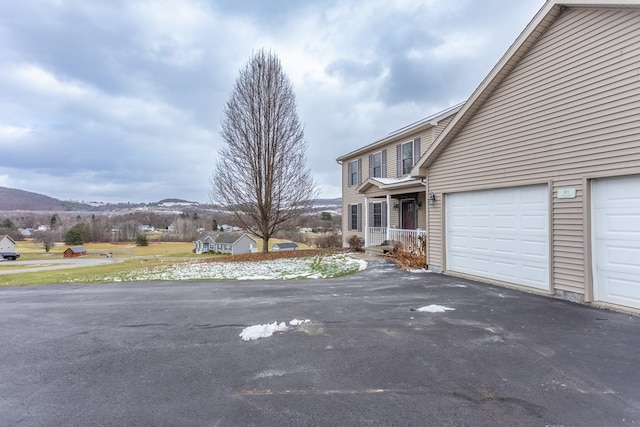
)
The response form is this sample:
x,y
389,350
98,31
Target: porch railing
x,y
377,235
408,238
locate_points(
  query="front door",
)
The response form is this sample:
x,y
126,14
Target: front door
x,y
408,214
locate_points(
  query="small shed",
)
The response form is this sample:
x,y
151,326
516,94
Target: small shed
x,y
74,252
286,246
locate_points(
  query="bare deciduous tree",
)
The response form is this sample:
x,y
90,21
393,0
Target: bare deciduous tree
x,y
262,172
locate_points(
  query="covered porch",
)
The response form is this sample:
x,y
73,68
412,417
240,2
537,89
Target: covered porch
x,y
394,214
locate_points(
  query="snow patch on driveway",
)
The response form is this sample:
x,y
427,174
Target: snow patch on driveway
x,y
434,308
262,331
265,331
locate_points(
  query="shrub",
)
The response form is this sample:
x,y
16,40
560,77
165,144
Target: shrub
x,y
356,243
142,240
78,234
329,241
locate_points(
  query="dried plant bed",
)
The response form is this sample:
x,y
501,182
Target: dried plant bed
x,y
409,257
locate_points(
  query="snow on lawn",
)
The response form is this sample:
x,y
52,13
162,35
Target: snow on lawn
x,y
434,308
317,267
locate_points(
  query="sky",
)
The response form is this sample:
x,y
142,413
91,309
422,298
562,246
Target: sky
x,y
122,100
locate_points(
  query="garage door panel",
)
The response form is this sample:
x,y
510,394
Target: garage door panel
x,y
477,202
621,223
505,269
624,258
537,223
479,265
480,221
499,233
616,240
505,222
480,244
505,246
533,275
534,248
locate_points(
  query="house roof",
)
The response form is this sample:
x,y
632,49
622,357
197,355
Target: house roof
x,y
2,236
77,249
520,47
430,121
286,245
229,237
388,183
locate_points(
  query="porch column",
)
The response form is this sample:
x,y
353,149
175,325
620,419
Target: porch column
x,y
388,215
426,214
366,221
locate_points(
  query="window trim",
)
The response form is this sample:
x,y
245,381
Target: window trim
x,y
415,156
357,173
382,155
382,214
354,212
403,159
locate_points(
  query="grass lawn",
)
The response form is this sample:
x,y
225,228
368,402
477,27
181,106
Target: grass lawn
x,y
33,251
133,259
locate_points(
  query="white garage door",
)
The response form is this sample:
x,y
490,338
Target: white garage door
x,y
616,240
500,234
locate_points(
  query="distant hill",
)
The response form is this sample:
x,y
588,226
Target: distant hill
x,y
12,199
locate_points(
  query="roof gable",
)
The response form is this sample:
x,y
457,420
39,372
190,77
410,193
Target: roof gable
x,y
404,132
522,45
6,236
230,238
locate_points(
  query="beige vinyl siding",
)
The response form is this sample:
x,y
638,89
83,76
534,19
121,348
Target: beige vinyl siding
x,y
568,111
350,196
437,131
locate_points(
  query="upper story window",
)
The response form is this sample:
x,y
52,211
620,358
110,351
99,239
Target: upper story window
x,y
355,172
378,164
408,155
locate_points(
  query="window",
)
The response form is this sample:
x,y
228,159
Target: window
x,y
408,155
354,172
378,164
354,212
378,214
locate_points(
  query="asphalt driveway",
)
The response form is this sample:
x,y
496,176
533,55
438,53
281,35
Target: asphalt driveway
x,y
171,354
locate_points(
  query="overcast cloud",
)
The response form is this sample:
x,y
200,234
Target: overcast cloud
x,y
122,100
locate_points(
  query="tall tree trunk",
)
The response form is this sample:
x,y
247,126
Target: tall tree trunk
x,y
265,245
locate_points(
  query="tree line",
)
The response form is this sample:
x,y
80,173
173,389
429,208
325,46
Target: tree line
x,y
78,228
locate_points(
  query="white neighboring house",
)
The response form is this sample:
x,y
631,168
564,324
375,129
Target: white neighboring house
x,y
8,247
226,243
7,244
